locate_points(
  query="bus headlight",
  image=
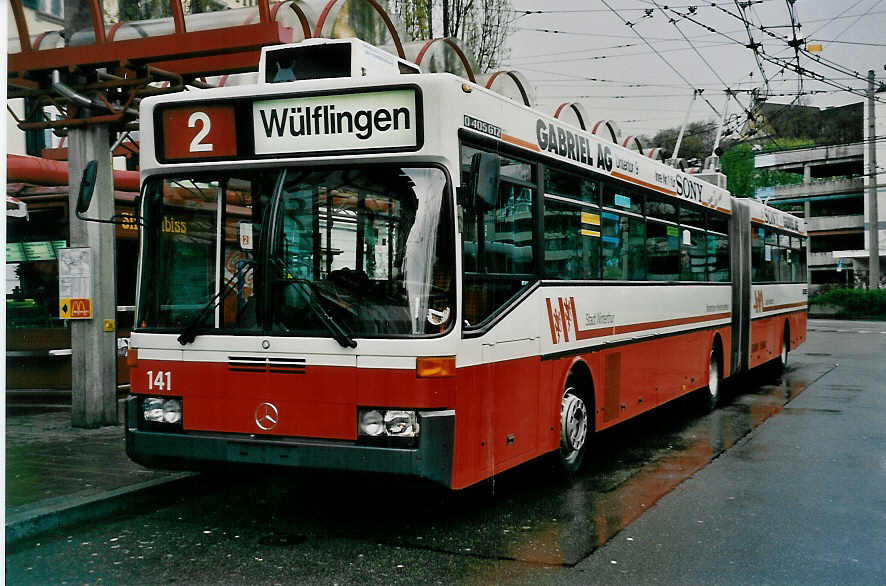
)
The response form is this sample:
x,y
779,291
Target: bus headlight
x,y
172,410
153,409
401,423
387,422
371,422
162,410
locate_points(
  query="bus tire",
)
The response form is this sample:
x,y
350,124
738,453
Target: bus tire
x,y
713,392
574,428
782,359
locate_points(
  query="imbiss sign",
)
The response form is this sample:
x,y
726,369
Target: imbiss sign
x,y
386,120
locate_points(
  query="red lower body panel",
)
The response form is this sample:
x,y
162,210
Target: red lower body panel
x,y
767,334
506,413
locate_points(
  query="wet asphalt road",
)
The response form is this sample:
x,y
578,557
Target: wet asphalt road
x,y
676,496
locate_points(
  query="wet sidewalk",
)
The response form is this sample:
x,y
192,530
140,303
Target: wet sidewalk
x,y
800,500
57,474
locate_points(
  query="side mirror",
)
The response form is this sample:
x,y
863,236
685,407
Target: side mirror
x,y
84,198
87,188
485,169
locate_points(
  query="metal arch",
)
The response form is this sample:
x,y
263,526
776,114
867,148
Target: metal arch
x,y
115,28
21,24
452,43
579,111
631,141
321,21
609,126
515,77
40,38
302,17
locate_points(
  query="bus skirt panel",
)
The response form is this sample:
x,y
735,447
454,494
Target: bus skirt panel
x,y
430,459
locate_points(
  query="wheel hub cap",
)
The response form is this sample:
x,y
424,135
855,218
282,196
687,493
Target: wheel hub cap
x,y
573,423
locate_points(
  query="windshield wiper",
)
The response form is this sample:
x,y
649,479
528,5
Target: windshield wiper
x,y
308,289
189,334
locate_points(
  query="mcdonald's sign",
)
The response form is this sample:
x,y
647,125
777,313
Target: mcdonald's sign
x,y
75,308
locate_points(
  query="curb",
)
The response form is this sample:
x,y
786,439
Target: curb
x,y
63,511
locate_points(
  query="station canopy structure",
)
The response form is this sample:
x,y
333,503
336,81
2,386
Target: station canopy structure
x,y
101,73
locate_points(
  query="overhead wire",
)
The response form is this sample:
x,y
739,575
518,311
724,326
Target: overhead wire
x,y
776,60
795,42
696,91
598,57
860,16
840,15
729,94
821,60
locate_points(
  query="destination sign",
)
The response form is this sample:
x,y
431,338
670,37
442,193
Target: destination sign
x,y
333,123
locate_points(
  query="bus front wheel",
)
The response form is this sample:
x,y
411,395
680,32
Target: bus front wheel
x,y
573,430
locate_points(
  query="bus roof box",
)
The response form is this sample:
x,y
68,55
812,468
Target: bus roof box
x,y
711,176
329,58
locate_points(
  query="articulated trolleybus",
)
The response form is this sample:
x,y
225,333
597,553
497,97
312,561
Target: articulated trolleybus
x,y
354,266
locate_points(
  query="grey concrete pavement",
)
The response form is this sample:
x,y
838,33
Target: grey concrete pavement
x,y
801,500
57,474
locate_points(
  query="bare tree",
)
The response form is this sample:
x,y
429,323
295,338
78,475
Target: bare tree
x,y
480,25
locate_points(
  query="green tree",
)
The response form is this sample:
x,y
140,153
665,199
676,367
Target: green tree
x,y
743,179
737,163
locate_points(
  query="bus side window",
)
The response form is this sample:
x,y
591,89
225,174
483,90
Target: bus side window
x,y
498,251
572,241
761,256
718,247
663,251
718,257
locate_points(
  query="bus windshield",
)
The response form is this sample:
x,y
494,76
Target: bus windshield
x,y
342,252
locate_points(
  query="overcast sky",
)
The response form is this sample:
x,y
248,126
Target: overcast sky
x,y
587,46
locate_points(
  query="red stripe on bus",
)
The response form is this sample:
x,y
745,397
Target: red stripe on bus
x,y
520,142
651,325
784,306
671,322
643,183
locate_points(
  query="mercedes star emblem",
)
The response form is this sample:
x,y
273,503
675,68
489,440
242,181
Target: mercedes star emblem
x,y
266,416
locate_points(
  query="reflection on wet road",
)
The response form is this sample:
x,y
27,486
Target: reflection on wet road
x,y
528,514
310,527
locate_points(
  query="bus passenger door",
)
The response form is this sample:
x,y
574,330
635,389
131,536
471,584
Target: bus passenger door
x,y
514,378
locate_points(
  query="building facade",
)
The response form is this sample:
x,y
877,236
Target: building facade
x,y
834,200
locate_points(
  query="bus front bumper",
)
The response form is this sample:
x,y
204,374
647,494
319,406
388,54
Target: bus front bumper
x,y
432,459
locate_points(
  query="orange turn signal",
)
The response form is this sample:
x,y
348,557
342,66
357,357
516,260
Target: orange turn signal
x,y
434,366
132,357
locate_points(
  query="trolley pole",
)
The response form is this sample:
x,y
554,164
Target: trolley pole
x,y
683,128
873,215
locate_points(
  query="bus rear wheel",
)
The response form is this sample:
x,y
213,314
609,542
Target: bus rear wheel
x,y
711,394
573,430
785,348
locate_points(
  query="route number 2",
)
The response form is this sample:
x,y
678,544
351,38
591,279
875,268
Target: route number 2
x,y
162,381
192,132
197,144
